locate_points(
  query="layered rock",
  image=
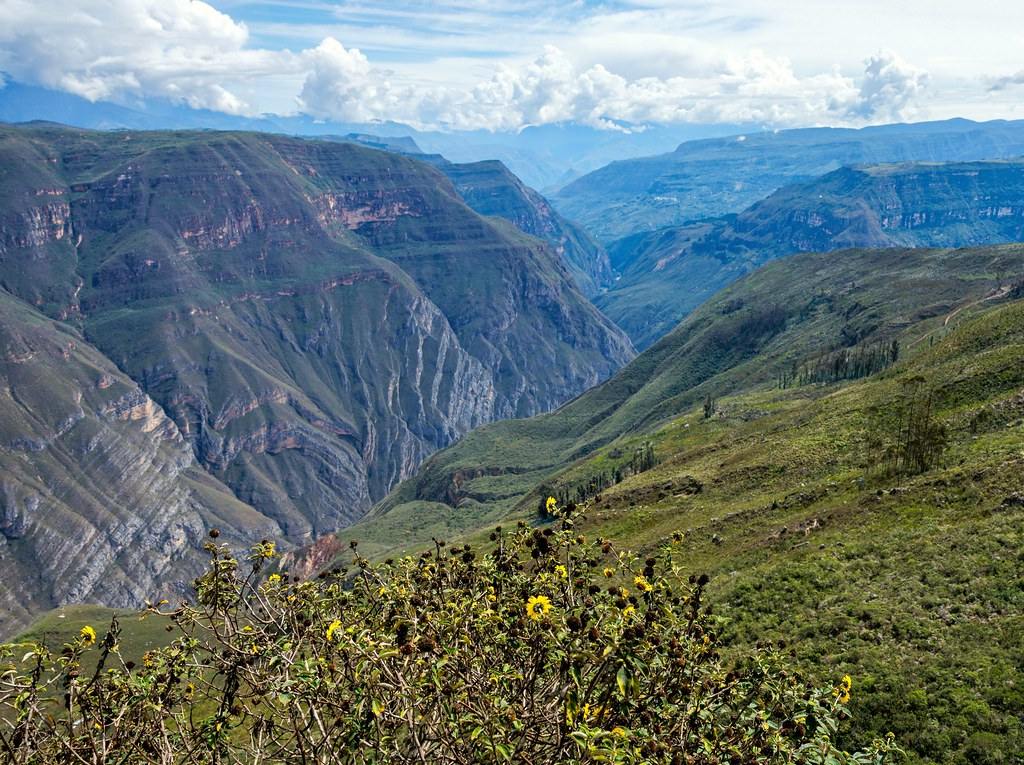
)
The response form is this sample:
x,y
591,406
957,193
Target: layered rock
x,y
304,322
101,500
668,273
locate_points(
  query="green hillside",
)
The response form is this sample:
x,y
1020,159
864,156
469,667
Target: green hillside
x,y
791,497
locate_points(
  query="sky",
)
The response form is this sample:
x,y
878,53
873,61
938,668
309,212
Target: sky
x,y
501,65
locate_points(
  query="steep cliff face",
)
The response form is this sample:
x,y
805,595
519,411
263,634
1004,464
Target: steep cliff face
x,y
101,499
314,318
670,272
490,189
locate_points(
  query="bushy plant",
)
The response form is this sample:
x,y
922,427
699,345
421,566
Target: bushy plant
x,y
547,648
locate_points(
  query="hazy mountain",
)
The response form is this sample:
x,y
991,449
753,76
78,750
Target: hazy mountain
x,y
545,156
668,273
710,178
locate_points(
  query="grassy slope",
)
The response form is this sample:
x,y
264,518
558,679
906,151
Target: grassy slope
x,y
911,584
733,343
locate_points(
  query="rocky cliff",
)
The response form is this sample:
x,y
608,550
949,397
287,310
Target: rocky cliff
x,y
101,500
304,322
490,188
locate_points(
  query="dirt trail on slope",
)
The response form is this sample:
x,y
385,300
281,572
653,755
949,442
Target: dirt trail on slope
x,y
993,295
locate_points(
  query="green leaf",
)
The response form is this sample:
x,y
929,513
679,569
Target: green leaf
x,y
622,679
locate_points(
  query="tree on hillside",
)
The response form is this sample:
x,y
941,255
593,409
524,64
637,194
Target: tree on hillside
x,y
910,439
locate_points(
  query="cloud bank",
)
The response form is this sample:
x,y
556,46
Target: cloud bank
x,y
189,52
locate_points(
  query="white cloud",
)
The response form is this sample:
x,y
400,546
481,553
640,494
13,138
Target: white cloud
x,y
751,88
1009,81
342,85
183,50
890,85
189,52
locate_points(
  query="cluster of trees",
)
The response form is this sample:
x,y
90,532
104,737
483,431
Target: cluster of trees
x,y
547,647
914,440
643,459
845,364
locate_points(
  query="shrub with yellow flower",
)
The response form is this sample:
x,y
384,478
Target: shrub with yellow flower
x,y
457,655
843,690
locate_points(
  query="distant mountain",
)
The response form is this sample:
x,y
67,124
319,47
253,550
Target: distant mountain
x,y
714,177
305,321
491,189
400,144
668,273
544,156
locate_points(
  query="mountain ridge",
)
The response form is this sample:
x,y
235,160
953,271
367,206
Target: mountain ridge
x,y
713,177
669,272
314,318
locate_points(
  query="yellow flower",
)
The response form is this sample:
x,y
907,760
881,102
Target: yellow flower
x,y
274,578
254,649
619,732
642,583
334,627
560,570
628,611
609,572
88,634
843,691
538,606
551,505
266,550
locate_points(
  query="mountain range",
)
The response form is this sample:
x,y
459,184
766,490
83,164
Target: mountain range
x,y
355,337
717,176
665,274
280,329
544,156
